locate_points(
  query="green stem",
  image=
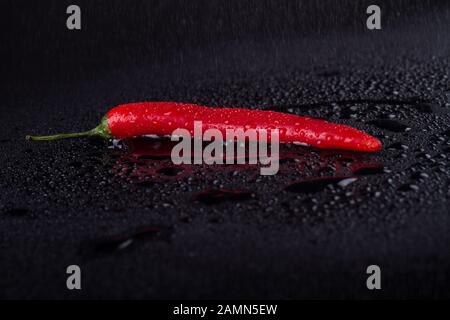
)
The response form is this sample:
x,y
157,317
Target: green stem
x,y
61,136
102,130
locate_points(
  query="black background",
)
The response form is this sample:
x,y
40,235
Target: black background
x,y
60,201
166,33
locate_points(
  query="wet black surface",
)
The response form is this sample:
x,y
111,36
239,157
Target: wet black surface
x,y
138,227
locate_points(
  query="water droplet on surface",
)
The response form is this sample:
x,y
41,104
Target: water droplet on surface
x,y
408,187
420,175
120,242
391,125
397,146
368,170
346,182
313,185
212,196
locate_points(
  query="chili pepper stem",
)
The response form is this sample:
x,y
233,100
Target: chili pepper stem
x,y
60,136
102,130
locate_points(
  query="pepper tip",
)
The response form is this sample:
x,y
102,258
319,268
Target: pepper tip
x,y
374,145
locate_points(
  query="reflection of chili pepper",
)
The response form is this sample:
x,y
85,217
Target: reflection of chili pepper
x,y
162,118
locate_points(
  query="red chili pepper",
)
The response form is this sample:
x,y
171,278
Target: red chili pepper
x,y
162,118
